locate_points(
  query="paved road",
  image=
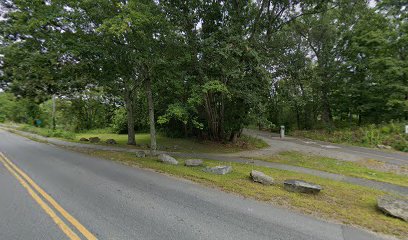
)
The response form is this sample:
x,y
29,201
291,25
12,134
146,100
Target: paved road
x,y
343,152
387,187
113,201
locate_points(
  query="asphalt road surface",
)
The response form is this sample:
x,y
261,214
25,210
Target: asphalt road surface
x,y
338,151
51,193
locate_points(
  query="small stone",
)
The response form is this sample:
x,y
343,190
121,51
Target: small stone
x,y
84,140
140,154
193,162
167,159
110,141
301,186
261,177
221,170
388,147
94,139
396,207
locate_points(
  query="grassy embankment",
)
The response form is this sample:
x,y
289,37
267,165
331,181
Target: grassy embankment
x,y
338,201
353,169
143,139
391,134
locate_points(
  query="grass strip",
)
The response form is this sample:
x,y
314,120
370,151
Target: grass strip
x,y
353,169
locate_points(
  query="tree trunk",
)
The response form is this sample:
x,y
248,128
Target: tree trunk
x,y
153,143
130,117
234,136
326,114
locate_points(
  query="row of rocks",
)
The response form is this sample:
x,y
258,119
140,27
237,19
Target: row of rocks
x,y
390,205
97,140
221,170
291,185
257,176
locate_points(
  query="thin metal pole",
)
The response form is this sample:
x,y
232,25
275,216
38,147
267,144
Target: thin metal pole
x,y
53,112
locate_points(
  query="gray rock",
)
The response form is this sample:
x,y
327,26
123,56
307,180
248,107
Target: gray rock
x,y
84,140
381,146
164,158
221,170
261,177
140,154
94,139
301,186
396,207
110,141
193,162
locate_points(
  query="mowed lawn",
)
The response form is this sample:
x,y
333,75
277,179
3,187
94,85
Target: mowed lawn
x,y
179,144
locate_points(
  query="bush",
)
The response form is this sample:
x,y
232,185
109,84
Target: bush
x,y
119,121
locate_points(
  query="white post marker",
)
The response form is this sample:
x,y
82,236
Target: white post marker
x,y
406,129
282,131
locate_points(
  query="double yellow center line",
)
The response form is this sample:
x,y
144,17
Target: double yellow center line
x,y
35,192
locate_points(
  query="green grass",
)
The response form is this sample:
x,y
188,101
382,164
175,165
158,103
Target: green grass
x,y
180,144
46,132
347,203
143,140
353,169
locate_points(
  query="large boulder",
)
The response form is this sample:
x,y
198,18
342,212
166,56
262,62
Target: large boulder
x,y
261,177
193,162
221,170
140,154
94,139
396,207
301,186
84,140
110,141
164,158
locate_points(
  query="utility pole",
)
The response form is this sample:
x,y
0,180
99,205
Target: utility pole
x,y
53,112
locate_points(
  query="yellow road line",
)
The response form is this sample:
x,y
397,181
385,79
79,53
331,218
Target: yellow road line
x,y
43,205
87,234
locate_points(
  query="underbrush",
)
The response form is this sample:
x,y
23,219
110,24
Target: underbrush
x,y
392,134
46,132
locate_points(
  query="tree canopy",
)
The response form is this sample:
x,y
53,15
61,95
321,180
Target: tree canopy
x,y
210,68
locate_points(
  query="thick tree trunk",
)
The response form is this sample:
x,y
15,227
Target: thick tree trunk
x,y
234,137
326,114
153,143
130,117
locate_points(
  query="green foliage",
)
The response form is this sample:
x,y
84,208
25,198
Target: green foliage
x,y
213,67
46,132
18,110
392,134
119,122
